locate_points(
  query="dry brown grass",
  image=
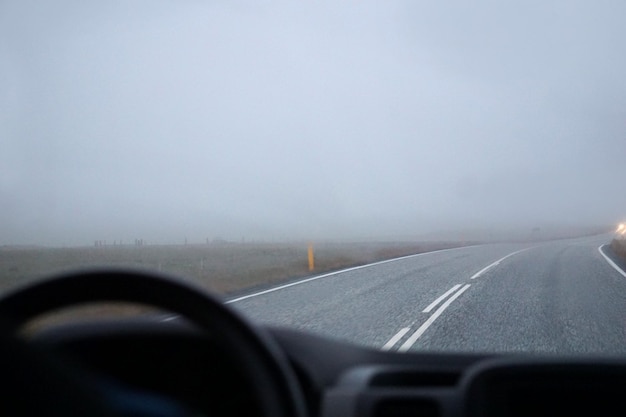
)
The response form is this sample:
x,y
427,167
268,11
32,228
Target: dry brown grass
x,y
222,268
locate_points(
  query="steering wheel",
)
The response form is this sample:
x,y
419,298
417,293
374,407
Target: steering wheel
x,y
273,384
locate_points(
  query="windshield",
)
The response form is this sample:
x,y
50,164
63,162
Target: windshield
x,y
407,176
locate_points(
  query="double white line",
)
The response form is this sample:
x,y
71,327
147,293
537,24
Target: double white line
x,y
419,332
456,292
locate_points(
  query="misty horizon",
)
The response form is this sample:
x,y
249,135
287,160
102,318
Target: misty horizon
x,y
168,121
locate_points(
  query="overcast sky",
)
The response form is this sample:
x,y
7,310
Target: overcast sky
x,y
280,120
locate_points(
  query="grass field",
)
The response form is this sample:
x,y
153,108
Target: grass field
x,y
220,267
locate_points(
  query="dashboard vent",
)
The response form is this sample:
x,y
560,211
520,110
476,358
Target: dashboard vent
x,y
407,408
415,379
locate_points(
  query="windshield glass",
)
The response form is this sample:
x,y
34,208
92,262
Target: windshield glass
x,y
435,176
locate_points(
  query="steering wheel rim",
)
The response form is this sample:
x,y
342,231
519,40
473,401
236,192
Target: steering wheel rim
x,y
273,383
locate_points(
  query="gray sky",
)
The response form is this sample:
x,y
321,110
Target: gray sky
x,y
275,119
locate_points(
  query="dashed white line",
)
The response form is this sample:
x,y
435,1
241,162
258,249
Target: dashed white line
x,y
488,267
169,318
395,338
411,340
610,261
485,269
440,299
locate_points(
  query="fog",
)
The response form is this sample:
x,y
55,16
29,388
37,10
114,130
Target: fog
x,y
272,120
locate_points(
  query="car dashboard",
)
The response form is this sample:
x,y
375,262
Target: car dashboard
x,y
175,361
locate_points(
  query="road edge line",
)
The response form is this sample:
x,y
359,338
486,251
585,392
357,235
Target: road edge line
x,y
354,268
610,261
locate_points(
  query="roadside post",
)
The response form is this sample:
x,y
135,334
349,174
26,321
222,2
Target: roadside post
x,y
311,258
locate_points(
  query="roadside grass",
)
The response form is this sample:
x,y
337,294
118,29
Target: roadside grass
x,y
222,268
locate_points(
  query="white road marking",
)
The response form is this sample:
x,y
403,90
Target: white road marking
x,y
170,318
440,299
488,267
613,264
411,340
395,338
281,287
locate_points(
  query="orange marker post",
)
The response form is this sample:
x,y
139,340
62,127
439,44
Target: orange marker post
x,y
311,258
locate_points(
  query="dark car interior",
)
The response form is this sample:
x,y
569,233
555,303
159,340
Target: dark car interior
x,y
211,361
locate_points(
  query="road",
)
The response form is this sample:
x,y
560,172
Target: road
x,y
555,297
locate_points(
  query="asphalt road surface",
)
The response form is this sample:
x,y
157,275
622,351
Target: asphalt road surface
x,y
557,297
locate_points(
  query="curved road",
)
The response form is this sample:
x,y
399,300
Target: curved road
x,y
561,296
